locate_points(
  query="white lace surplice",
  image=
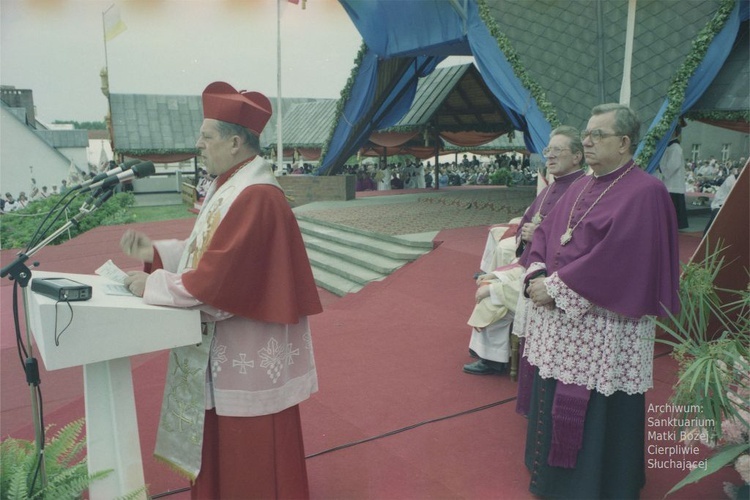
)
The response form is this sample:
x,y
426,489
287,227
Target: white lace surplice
x,y
579,343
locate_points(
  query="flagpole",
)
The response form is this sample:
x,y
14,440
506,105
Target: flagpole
x,y
104,36
628,59
279,141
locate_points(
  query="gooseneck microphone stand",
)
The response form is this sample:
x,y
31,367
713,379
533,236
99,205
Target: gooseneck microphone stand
x,y
19,272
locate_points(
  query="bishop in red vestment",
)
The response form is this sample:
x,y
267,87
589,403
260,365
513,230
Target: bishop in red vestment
x,y
230,417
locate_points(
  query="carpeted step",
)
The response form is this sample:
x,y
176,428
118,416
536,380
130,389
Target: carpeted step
x,y
347,234
367,257
348,270
334,283
346,259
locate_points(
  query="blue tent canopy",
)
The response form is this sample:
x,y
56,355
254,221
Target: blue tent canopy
x,y
404,50
717,53
400,50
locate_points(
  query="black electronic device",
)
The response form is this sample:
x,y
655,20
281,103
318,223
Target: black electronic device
x,y
62,289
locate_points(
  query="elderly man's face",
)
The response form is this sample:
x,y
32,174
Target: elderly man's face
x,y
215,149
604,149
560,159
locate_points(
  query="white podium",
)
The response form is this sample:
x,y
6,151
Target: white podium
x,y
103,333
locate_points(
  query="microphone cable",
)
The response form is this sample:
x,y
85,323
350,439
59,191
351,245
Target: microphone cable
x,y
40,233
413,426
31,370
59,334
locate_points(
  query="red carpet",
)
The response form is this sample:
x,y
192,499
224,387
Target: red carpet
x,y
395,417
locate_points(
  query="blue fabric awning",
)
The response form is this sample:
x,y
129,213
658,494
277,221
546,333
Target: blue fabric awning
x,y
704,75
390,32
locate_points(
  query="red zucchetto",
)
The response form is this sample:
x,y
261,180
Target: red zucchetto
x,y
249,109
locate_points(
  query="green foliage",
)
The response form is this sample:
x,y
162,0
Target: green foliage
x,y
712,384
18,227
345,94
161,212
64,461
501,177
83,125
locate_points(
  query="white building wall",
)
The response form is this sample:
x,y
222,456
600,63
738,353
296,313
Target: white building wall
x,y
21,148
709,141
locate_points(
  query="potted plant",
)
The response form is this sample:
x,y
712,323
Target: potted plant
x,y
710,338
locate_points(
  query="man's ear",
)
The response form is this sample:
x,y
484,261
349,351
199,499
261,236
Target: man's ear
x,y
626,142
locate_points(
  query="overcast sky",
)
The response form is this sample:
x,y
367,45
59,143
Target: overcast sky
x,y
56,48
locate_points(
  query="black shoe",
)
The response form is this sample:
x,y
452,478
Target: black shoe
x,y
484,368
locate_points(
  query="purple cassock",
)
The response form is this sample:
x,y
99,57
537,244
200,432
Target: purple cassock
x,y
612,240
632,227
543,205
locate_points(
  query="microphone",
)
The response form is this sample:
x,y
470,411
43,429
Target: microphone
x,y
101,199
100,177
143,169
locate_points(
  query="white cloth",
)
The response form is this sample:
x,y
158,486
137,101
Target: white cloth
x,y
722,193
493,342
672,167
420,176
497,252
385,184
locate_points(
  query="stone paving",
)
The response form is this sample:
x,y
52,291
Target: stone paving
x,y
427,211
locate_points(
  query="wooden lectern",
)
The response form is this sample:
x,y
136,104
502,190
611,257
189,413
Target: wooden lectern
x,y
103,333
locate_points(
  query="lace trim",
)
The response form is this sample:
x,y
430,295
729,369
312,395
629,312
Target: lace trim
x,y
601,350
566,299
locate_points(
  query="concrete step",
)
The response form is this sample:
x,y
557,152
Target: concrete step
x,y
345,259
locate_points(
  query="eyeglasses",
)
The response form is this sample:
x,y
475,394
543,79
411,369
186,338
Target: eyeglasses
x,y
596,135
553,151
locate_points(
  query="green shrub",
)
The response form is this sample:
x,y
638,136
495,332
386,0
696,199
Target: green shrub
x,y
17,228
501,177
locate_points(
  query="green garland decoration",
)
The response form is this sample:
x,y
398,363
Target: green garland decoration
x,y
518,68
345,95
676,90
144,152
420,128
718,115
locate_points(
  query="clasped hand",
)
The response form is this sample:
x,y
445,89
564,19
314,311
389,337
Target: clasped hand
x,y
527,231
538,293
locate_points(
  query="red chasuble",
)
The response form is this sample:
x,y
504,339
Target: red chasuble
x,y
256,265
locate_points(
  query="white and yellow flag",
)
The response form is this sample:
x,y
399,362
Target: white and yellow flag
x,y
113,24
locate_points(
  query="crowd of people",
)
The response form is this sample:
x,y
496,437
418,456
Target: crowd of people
x,y
706,176
417,174
11,203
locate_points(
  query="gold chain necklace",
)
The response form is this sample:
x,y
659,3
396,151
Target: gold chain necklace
x,y
537,219
568,234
